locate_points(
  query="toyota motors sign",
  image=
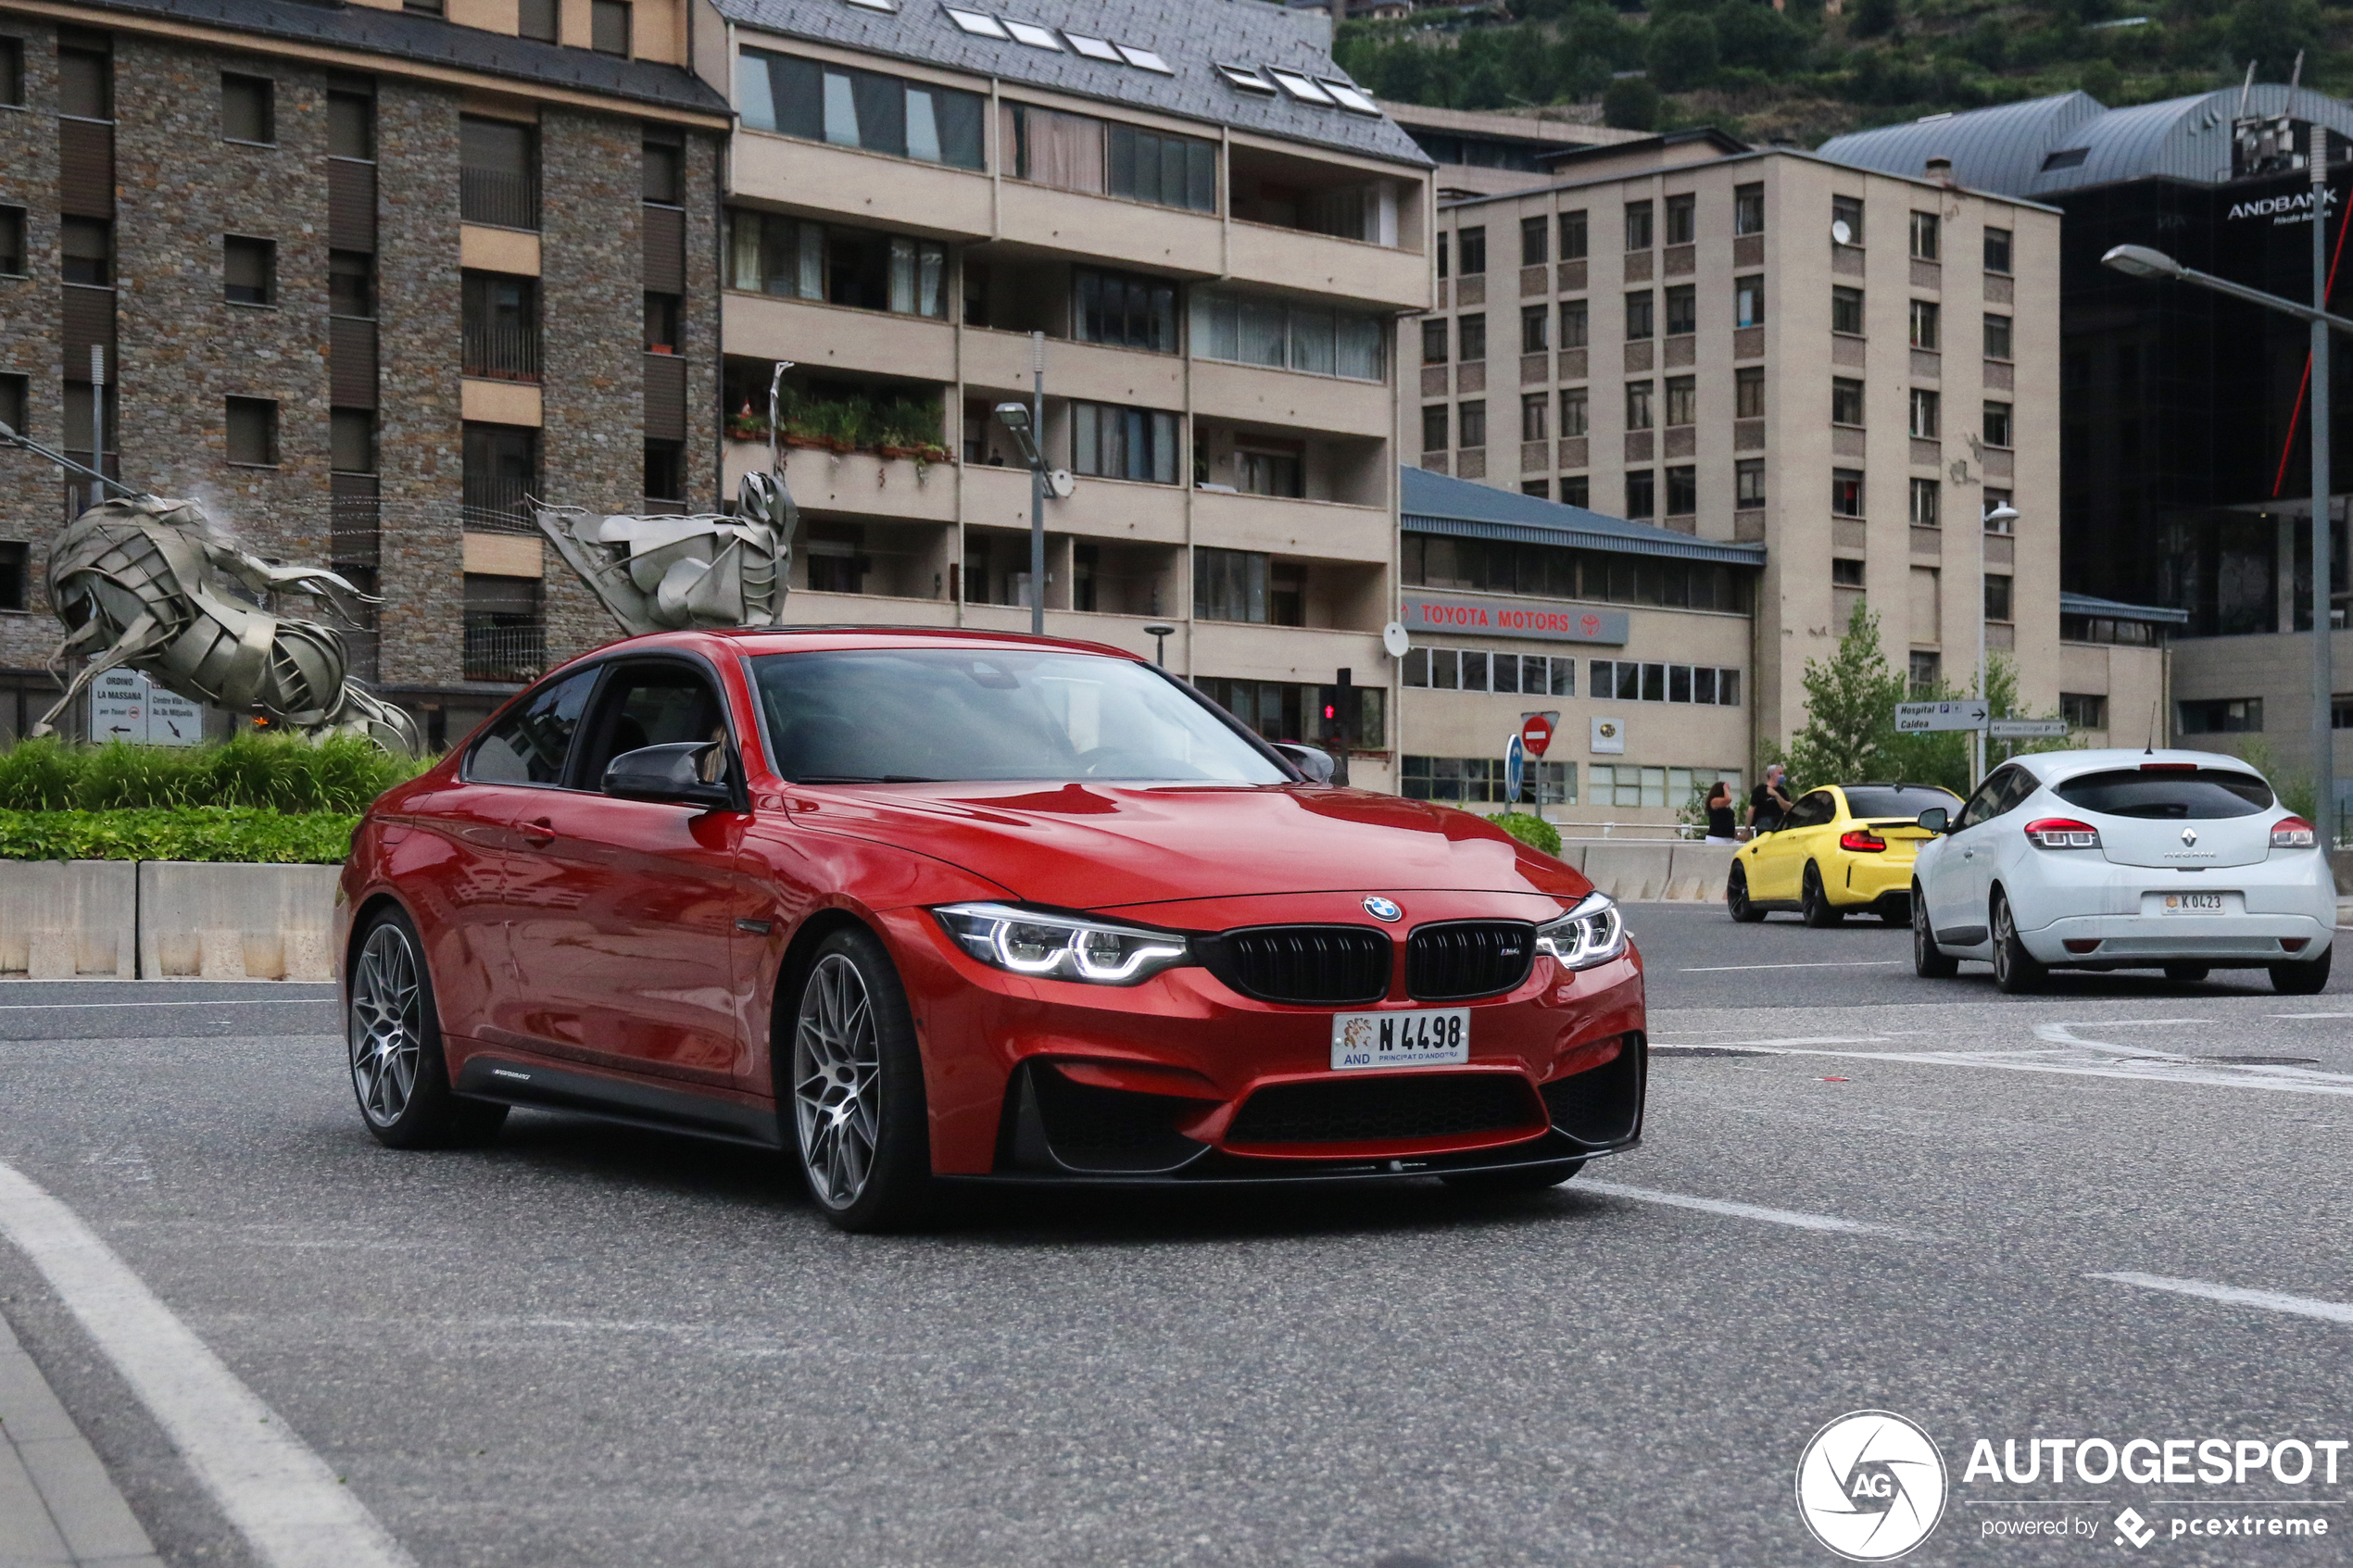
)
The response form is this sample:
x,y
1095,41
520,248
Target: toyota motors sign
x,y
1546,619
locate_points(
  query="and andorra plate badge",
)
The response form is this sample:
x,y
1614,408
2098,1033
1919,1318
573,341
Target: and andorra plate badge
x,y
1423,1037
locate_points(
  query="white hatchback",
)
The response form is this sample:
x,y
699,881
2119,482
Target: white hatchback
x,y
2178,861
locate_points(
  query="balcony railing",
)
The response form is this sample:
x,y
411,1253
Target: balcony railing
x,y
500,353
496,506
508,653
498,198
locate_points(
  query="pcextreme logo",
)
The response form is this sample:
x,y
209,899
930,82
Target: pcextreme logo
x,y
1870,1485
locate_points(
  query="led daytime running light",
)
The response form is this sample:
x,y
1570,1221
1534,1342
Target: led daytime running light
x,y
1062,946
1592,934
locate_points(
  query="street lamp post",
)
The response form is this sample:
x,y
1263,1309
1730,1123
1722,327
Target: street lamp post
x,y
1027,423
2140,261
2003,514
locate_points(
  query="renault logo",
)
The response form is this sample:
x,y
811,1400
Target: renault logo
x,y
1384,908
2189,835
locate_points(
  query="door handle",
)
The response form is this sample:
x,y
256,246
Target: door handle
x,y
539,833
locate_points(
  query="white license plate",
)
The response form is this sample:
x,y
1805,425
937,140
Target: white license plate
x,y
1427,1037
2188,903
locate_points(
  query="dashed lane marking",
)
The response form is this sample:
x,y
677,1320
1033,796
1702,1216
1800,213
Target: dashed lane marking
x,y
1841,963
1791,1217
2268,1300
190,1002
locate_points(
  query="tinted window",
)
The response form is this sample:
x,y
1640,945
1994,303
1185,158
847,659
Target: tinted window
x,y
529,745
1991,799
654,705
1812,811
2188,797
1897,800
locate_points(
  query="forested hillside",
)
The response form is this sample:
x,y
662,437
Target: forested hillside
x,y
1805,73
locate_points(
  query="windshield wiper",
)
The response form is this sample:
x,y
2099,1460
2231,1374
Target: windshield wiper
x,y
865,778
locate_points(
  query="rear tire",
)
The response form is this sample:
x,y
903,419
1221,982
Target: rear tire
x,y
1495,1183
853,1083
1895,913
393,1032
2302,979
2188,973
1929,961
1736,901
2016,970
1814,901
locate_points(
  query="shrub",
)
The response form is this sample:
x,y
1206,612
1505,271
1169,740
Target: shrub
x,y
1630,104
280,774
179,832
1534,831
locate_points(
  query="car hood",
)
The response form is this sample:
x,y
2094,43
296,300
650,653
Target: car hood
x,y
1098,846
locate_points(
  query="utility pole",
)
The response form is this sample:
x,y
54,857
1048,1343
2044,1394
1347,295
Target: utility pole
x,y
1038,485
98,420
2323,510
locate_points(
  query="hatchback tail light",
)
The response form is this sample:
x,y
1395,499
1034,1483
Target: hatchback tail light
x,y
2292,832
2062,833
1863,839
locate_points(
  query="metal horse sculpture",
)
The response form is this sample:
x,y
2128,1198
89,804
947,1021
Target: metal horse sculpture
x,y
146,582
667,573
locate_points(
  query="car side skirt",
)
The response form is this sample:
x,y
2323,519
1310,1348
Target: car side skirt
x,y
511,1082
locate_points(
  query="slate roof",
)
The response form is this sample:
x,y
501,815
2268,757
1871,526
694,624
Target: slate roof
x,y
1438,503
1191,35
2006,149
431,41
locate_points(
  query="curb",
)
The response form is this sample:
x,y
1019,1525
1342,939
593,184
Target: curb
x,y
57,1505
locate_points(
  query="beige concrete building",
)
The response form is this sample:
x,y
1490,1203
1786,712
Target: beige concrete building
x,y
1753,346
1215,232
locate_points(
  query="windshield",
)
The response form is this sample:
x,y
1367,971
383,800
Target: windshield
x,y
2168,796
1896,800
939,715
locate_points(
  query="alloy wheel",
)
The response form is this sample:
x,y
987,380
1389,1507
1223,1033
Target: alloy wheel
x,y
386,1024
837,1078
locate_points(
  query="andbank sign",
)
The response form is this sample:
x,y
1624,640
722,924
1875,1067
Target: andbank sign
x,y
2292,208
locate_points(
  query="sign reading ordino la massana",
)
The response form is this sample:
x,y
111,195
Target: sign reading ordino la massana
x,y
1553,620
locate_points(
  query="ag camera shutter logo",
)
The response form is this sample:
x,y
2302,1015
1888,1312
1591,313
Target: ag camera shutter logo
x,y
1870,1485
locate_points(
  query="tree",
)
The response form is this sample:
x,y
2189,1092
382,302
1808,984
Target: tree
x,y
2272,32
1682,53
1758,37
1872,18
1850,710
1630,104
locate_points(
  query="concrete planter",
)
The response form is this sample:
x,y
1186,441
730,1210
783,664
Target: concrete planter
x,y
61,919
64,919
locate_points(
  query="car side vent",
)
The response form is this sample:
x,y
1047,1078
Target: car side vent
x,y
1453,960
1308,965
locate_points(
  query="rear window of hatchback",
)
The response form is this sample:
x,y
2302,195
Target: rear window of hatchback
x,y
2169,796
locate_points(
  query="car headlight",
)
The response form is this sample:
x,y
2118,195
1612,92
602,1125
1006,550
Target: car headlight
x,y
1062,946
1593,933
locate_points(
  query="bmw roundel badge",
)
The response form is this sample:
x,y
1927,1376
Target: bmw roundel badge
x,y
1384,908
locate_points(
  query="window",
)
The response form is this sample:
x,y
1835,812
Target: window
x,y
1576,491
1482,780
1638,404
884,113
85,83
16,400
2340,710
1998,337
1540,488
1748,209
351,126
1997,424
1446,248
88,243
1997,250
530,744
1846,311
1748,483
662,311
351,285
1846,401
15,561
1997,597
1535,329
1748,301
663,173
608,26
1229,585
1927,414
501,467
497,173
1682,309
1682,491
1638,225
1924,323
2086,710
422,8
1472,338
1846,212
1625,681
253,432
1434,427
249,109
1112,442
1927,495
1472,670
1927,673
537,19
1127,310
1573,236
1641,494
1573,415
351,440
1925,226
1434,340
12,72
250,270
1638,308
1846,492
2223,716
1748,392
1534,233
1471,422
12,257
1532,409
506,635
1845,573
1994,500
1574,324
1470,252
1683,400
1268,472
1681,219
855,266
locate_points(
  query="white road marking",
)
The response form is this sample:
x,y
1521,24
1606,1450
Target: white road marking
x,y
280,1495
1842,964
190,1002
2313,1015
2270,1301
1749,1211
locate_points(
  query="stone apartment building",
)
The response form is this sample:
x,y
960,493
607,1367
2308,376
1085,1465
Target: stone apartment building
x,y
361,276
1743,345
1215,232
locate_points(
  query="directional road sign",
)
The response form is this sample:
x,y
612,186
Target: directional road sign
x,y
2027,729
1920,718
1514,768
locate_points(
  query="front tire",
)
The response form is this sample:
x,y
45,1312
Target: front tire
x,y
2302,979
1736,899
2016,970
1814,901
856,1089
1929,961
393,1029
1496,1183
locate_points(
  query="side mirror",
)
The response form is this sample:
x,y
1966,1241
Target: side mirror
x,y
1935,819
1317,765
672,773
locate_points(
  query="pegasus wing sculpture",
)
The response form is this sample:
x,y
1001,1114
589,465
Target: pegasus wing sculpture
x,y
668,573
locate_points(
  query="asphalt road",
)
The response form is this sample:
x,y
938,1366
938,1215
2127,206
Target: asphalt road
x,y
590,1346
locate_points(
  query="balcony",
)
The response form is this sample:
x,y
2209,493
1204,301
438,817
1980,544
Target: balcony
x,y
1289,397
495,506
1090,372
874,188
500,353
836,337
1320,530
507,653
856,483
1355,270
1102,509
1165,239
500,198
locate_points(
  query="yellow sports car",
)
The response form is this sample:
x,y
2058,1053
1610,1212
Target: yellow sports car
x,y
1842,849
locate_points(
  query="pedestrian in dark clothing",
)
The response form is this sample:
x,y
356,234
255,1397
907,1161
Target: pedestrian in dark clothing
x,y
1720,814
1769,803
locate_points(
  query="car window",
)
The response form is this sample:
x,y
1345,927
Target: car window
x,y
2022,784
1897,800
1987,803
654,705
529,745
1813,810
2171,794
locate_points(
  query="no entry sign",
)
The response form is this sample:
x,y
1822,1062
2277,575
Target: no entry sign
x,y
1536,730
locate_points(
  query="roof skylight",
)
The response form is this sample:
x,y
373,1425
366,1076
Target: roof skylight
x,y
1032,34
1349,99
978,23
1304,88
1246,79
891,5
1144,59
1094,48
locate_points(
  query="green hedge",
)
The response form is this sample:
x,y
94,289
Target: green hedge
x,y
273,772
1534,831
179,832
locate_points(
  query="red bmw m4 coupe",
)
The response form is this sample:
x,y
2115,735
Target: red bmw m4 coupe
x,y
922,907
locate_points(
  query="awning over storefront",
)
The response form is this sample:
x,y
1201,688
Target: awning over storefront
x,y
1437,503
